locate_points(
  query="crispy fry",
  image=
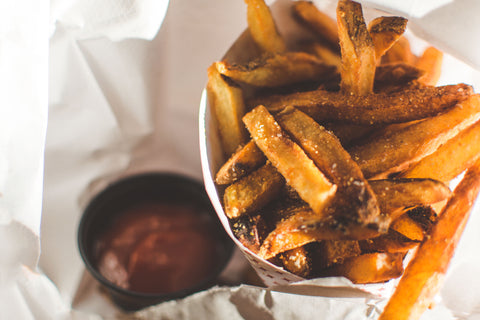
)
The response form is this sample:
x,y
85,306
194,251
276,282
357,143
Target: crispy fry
x,y
317,21
408,227
290,160
250,230
368,268
396,74
391,242
334,161
297,261
328,252
278,70
450,159
325,54
385,31
400,193
395,151
252,192
424,274
431,62
358,52
226,99
242,162
262,27
303,226
375,108
400,52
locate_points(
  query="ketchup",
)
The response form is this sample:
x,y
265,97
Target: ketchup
x,y
158,248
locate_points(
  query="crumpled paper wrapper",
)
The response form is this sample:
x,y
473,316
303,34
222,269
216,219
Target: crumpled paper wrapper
x,y
111,96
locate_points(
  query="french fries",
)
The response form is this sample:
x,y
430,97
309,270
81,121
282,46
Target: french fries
x,y
329,156
242,162
290,160
358,52
431,63
371,109
368,268
385,31
404,147
317,21
424,274
278,70
347,167
446,160
263,28
228,107
252,192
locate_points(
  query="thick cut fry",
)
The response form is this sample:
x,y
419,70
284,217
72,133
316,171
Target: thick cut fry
x,y
278,70
297,261
431,63
391,242
334,161
290,160
303,226
226,100
424,274
318,22
358,52
385,31
408,227
325,54
450,159
396,74
252,192
395,151
245,160
368,268
375,108
393,194
250,231
263,28
328,252
400,52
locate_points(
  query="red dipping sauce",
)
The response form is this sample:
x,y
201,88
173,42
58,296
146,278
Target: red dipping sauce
x,y
158,248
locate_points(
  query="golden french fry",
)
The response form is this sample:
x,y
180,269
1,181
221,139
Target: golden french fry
x,y
325,54
242,162
226,100
252,192
250,230
368,268
328,252
358,52
408,227
396,74
393,194
431,63
278,70
385,31
450,159
297,261
290,160
263,28
376,108
395,151
328,154
318,22
425,272
400,52
303,226
392,242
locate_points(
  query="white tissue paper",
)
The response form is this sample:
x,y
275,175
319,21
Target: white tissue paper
x,y
94,90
